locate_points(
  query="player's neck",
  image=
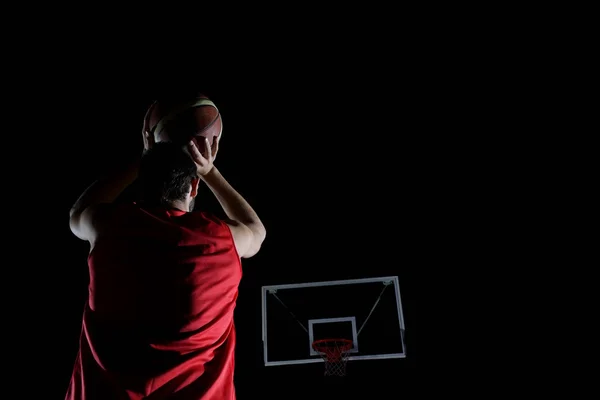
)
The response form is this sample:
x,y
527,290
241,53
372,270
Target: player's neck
x,y
179,205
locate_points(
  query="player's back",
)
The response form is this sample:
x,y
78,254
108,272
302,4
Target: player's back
x,y
158,266
162,293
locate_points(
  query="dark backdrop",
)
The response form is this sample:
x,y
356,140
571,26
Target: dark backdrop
x,y
329,164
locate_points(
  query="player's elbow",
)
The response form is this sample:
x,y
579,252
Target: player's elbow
x,y
81,222
248,237
75,225
259,233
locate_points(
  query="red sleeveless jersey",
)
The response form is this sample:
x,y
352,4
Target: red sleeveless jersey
x,y
158,323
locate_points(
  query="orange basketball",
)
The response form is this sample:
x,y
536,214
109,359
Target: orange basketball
x,y
184,119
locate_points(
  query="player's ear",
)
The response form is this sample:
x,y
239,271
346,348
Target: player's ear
x,y
194,191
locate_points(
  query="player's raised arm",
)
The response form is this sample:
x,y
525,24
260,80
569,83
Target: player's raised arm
x,y
246,227
86,212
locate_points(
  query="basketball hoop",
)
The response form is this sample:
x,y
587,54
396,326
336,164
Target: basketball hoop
x,y
334,353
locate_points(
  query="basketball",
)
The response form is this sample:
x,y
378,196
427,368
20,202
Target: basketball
x,y
184,119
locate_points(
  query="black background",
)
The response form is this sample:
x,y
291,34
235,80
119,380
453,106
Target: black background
x,y
329,162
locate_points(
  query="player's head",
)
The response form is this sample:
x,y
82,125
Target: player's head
x,y
168,176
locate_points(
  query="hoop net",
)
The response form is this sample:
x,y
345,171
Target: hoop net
x,y
334,353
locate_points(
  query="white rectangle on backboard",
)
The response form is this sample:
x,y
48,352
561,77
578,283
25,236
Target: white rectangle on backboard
x,y
311,337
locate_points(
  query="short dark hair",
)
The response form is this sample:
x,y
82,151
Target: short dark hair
x,y
166,173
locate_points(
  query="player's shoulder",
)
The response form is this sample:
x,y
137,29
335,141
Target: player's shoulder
x,y
118,207
108,213
207,225
206,218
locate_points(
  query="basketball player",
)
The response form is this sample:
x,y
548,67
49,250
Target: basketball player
x,y
158,323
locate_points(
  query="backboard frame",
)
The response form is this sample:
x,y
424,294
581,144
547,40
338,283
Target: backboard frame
x,y
385,280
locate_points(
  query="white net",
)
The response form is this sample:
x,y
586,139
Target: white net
x,y
335,355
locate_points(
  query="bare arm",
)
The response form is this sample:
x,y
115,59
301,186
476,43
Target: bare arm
x,y
82,216
246,228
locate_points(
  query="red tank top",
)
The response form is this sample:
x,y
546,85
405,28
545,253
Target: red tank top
x,y
158,322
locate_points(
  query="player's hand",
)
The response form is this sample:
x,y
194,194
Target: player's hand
x,y
201,143
204,162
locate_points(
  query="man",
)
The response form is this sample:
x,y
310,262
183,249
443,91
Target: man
x,y
158,323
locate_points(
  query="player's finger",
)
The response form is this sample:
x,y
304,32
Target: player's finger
x,y
195,153
208,149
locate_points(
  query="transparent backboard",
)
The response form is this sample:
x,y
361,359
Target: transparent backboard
x,y
367,311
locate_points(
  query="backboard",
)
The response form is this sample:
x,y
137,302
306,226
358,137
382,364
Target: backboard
x,y
367,311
